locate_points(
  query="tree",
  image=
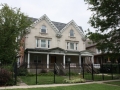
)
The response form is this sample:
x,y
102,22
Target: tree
x,y
106,21
13,24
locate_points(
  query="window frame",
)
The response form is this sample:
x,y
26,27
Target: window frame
x,y
75,45
71,33
39,43
43,29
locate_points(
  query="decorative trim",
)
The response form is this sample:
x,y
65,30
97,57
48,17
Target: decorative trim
x,y
72,40
76,26
44,17
43,37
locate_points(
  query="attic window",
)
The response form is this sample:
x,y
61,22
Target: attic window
x,y
43,29
71,33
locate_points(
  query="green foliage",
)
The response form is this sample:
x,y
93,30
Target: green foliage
x,y
22,72
46,74
13,24
5,77
74,80
71,73
105,19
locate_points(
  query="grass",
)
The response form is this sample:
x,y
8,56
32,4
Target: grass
x,y
99,77
31,80
114,83
79,87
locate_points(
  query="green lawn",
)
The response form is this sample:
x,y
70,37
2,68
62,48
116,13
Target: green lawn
x,y
80,87
31,80
114,83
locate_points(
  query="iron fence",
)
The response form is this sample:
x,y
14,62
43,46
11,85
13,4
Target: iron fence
x,y
39,73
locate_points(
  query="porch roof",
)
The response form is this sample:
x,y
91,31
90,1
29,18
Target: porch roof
x,y
86,53
50,50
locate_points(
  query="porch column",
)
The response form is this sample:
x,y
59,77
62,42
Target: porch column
x,y
92,59
64,61
80,60
28,66
47,60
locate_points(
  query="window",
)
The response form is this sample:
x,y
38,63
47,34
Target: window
x,y
48,43
37,59
71,33
72,46
42,43
76,46
43,29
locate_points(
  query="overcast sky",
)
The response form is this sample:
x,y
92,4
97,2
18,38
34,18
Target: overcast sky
x,y
56,10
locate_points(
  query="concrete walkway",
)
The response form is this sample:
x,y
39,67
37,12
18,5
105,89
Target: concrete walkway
x,y
51,85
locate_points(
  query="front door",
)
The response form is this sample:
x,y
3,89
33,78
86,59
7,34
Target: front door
x,y
53,59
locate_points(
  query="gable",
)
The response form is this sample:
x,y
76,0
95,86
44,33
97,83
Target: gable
x,y
44,17
78,28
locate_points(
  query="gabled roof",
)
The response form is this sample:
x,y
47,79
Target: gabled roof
x,y
75,25
57,26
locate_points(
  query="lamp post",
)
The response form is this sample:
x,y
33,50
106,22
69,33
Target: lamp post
x,y
69,67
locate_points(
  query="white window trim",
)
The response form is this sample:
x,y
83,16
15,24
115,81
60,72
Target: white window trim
x,y
74,46
39,43
73,33
41,29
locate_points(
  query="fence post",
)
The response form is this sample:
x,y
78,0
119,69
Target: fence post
x,y
54,72
119,68
36,72
15,72
83,69
92,72
111,70
102,71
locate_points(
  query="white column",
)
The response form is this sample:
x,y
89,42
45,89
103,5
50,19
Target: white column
x,y
92,59
64,61
47,60
80,60
28,66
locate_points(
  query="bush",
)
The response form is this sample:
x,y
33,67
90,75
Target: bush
x,y
43,71
109,68
74,80
22,72
71,73
5,77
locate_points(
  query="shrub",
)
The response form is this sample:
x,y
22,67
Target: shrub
x,y
43,71
46,74
22,72
74,80
5,77
71,73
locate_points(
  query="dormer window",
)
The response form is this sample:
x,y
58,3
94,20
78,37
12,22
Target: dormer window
x,y
71,33
43,29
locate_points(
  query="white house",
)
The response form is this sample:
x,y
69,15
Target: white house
x,y
48,42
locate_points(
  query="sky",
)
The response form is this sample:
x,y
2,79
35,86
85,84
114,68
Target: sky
x,y
57,10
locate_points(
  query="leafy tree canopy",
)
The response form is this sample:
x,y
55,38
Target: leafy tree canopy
x,y
105,20
13,24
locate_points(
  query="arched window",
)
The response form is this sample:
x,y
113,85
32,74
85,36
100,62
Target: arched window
x,y
43,29
71,33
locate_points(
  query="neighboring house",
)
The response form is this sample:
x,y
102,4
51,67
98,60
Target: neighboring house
x,y
50,42
99,57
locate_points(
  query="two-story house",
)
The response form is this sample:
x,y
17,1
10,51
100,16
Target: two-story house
x,y
99,57
49,42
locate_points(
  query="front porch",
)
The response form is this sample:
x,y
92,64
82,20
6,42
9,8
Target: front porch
x,y
45,59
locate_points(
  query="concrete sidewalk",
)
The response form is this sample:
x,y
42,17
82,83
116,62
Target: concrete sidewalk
x,y
52,85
